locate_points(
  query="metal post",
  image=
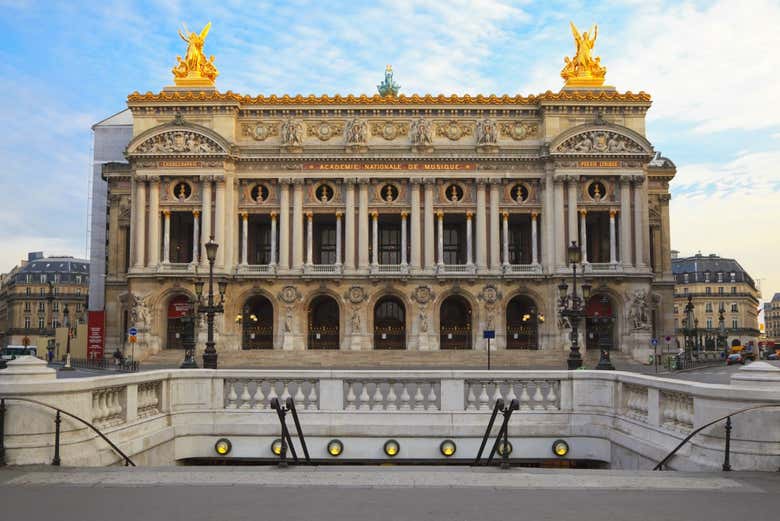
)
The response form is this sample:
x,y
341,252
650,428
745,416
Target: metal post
x,y
488,347
505,454
57,421
726,464
210,355
2,432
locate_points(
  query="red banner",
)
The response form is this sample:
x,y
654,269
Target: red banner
x,y
95,334
179,307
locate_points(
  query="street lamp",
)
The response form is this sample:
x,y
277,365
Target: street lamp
x,y
722,335
210,308
571,306
689,332
66,315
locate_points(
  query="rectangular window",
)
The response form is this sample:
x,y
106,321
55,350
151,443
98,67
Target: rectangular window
x,y
454,243
676,310
733,290
733,276
389,244
685,278
734,308
43,278
734,323
720,290
720,276
709,323
676,324
708,291
41,322
28,278
707,277
326,244
27,322
28,291
78,308
41,307
78,279
78,291
42,292
685,290
27,306
708,307
55,306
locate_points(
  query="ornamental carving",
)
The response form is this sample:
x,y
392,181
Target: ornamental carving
x,y
421,133
519,130
356,295
389,129
324,130
259,131
638,310
453,130
179,142
292,133
289,295
487,133
356,132
490,294
600,141
422,294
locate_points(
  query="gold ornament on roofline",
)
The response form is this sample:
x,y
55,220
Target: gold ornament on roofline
x,y
584,70
195,70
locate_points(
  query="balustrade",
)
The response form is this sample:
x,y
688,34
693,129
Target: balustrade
x,y
676,411
108,406
392,395
635,402
257,393
533,395
149,398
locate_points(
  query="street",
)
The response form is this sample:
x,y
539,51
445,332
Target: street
x,y
716,374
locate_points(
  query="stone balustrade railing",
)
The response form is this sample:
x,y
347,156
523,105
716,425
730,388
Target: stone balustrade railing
x,y
159,417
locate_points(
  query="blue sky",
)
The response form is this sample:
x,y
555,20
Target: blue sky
x,y
711,68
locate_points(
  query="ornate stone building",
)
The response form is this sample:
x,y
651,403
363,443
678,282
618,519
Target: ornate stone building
x,y
772,318
390,222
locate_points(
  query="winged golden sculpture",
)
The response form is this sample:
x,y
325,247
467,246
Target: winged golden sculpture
x,y
195,70
584,70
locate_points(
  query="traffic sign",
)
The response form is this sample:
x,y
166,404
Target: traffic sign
x,y
132,339
654,342
488,333
132,331
668,339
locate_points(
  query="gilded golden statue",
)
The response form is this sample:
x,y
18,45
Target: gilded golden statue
x,y
584,70
195,70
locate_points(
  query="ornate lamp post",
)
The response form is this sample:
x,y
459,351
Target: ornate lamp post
x,y
689,331
66,316
210,308
722,335
572,307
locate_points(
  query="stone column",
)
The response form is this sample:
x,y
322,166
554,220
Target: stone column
x,y
664,253
481,226
495,243
273,239
506,238
309,238
363,225
559,234
416,239
469,245
374,238
297,246
338,238
140,223
639,225
195,234
154,222
548,230
206,213
572,186
584,235
440,215
219,222
349,223
612,245
231,223
244,238
625,222
403,238
167,237
430,261
284,225
534,239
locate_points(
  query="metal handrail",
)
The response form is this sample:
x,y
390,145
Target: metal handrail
x,y
503,432
128,461
281,412
726,464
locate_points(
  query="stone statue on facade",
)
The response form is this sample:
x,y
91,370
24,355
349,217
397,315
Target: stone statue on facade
x,y
638,316
355,322
139,312
195,68
356,132
487,133
388,87
423,321
292,133
584,70
421,133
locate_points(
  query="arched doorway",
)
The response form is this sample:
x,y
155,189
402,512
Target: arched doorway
x,y
178,308
257,323
599,323
455,323
389,324
323,323
522,323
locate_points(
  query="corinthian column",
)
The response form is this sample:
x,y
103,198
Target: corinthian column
x,y
641,228
363,225
495,243
167,237
154,222
284,225
206,213
572,186
430,262
309,238
297,245
273,239
506,238
403,238
534,239
440,215
612,245
140,223
338,238
349,225
584,235
415,225
195,234
244,238
559,232
374,238
219,222
481,226
468,239
625,222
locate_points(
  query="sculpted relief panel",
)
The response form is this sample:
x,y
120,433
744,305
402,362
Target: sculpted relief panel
x,y
179,142
600,141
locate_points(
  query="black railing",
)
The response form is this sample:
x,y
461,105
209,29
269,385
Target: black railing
x,y
124,365
57,420
503,434
727,448
281,412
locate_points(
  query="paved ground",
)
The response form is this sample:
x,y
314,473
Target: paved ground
x,y
384,493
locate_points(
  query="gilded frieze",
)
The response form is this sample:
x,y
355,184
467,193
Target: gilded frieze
x,y
389,129
453,130
259,131
518,130
324,130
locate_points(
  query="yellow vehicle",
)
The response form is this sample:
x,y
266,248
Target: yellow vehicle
x,y
747,352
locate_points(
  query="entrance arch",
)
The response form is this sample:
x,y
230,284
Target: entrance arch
x,y
323,323
522,323
257,323
600,323
455,323
178,308
389,324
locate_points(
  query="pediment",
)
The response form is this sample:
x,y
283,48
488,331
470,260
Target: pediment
x,y
601,140
188,141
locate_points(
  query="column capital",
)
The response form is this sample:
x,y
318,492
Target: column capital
x,y
583,212
309,215
404,214
339,214
245,215
624,180
638,179
469,215
440,214
374,214
496,182
613,213
166,212
196,213
274,214
505,215
481,181
665,198
416,180
534,215
363,181
153,179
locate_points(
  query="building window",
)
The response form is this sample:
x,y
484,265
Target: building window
x,y
734,324
675,324
56,277
78,279
685,290
708,291
56,290
27,307
721,307
720,276
55,323
43,278
78,308
676,310
709,323
720,290
41,307
685,278
78,291
28,278
733,276
27,322
42,292
28,291
733,290
55,306
734,308
706,276
41,322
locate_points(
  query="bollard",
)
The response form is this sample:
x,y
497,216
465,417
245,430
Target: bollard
x,y
726,463
57,421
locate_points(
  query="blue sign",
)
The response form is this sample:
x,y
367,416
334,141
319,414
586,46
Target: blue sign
x,y
489,333
654,342
132,331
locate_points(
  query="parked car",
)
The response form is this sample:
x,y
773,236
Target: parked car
x,y
735,358
773,356
11,352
